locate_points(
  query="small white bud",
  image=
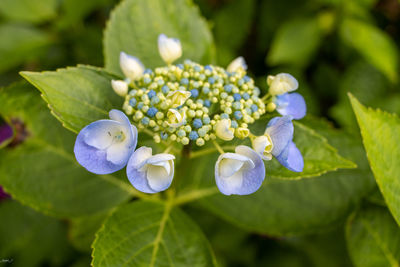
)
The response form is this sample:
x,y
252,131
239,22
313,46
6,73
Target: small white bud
x,y
224,130
131,66
282,83
237,64
170,48
120,87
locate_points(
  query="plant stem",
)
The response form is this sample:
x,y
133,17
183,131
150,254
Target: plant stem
x,y
206,151
218,147
194,195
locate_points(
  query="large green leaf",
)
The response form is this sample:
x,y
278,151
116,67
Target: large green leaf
x,y
135,25
82,230
319,156
373,238
42,171
28,11
381,137
372,43
282,206
295,42
366,83
28,238
20,43
151,234
76,96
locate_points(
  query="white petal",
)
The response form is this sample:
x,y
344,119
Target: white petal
x,y
100,134
235,180
119,116
130,66
120,87
259,144
228,167
282,83
140,156
170,48
237,64
223,130
158,177
118,153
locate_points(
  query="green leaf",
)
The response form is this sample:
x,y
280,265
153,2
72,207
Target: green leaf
x,y
151,234
134,27
28,11
319,156
42,171
282,206
76,96
228,27
373,44
381,137
295,42
373,238
366,83
29,238
20,43
82,230
74,11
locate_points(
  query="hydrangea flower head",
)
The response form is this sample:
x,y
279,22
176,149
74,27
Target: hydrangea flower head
x,y
191,104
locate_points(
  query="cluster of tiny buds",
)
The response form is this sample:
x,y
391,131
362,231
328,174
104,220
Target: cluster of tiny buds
x,y
189,102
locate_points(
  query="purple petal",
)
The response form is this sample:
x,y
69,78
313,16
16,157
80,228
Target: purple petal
x,y
291,104
3,194
280,129
291,158
6,132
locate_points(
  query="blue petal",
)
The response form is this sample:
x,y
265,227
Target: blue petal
x,y
252,178
291,158
291,104
93,159
280,129
94,148
137,178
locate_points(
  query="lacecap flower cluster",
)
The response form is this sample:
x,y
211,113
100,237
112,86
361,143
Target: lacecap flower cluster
x,y
191,103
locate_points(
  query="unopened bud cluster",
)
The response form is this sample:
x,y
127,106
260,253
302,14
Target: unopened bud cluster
x,y
190,102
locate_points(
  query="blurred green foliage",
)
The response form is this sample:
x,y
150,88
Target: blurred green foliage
x,y
332,46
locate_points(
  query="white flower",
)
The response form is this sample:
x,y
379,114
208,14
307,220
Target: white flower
x,y
282,83
131,66
237,64
239,173
150,174
175,118
263,146
170,48
224,130
120,87
178,97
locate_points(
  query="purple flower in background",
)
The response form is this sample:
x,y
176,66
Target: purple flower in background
x,y
292,104
6,132
3,194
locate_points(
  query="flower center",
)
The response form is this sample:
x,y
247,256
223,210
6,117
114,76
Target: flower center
x,y
202,95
